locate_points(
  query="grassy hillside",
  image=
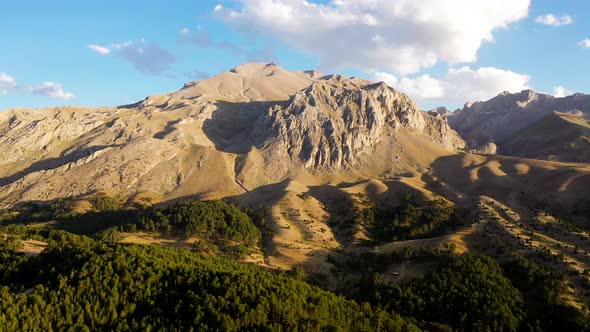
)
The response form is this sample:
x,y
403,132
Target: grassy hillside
x,y
558,136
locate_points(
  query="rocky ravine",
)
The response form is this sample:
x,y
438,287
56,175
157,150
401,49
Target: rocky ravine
x,y
254,125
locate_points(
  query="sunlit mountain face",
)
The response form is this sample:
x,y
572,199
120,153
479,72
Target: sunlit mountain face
x,y
272,165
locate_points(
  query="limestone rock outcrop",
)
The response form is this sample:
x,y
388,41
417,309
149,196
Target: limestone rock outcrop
x,y
335,121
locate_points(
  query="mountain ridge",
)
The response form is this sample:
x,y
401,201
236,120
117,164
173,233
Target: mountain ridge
x,y
498,119
168,143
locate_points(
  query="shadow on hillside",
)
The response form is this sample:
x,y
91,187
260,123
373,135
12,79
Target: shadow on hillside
x,y
340,207
170,127
345,220
53,163
560,189
262,199
230,126
89,223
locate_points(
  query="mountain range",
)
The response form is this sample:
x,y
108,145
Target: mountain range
x,y
319,153
502,121
254,125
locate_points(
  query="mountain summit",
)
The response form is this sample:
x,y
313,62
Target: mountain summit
x,y
251,126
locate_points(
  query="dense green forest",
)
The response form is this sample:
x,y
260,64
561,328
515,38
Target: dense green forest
x,y
94,283
413,217
476,293
214,219
85,285
221,227
97,285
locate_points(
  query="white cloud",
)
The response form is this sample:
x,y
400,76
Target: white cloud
x,y
459,85
7,83
585,43
185,32
554,20
149,59
52,90
560,92
6,79
100,49
401,36
421,88
47,89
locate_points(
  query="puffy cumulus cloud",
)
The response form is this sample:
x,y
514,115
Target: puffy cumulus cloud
x,y
421,88
149,59
458,85
585,43
47,89
401,36
52,90
483,83
560,92
554,20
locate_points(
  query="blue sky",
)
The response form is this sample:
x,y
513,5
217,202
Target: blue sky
x,y
465,53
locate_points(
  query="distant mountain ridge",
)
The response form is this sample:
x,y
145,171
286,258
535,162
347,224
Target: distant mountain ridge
x,y
499,119
557,136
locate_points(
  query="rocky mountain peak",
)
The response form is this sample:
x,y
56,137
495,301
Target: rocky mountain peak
x,y
336,120
439,111
257,68
314,74
256,81
528,96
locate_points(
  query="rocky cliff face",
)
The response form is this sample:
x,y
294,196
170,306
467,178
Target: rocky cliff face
x,y
336,121
245,128
500,118
27,134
